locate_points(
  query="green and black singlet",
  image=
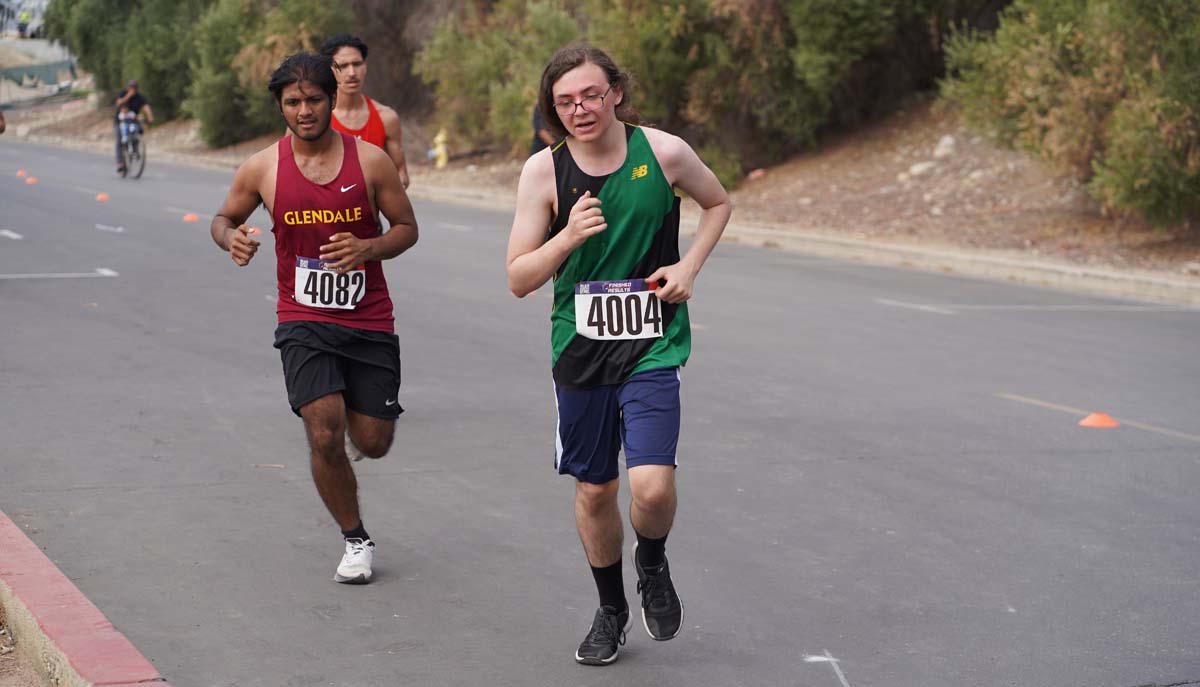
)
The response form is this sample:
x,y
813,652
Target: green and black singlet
x,y
642,212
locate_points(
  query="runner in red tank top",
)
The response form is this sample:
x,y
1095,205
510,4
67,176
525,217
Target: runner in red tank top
x,y
341,361
372,132
356,114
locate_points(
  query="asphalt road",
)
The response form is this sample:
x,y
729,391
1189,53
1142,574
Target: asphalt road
x,y
882,477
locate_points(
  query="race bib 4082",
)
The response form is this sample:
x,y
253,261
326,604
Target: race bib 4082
x,y
617,310
319,286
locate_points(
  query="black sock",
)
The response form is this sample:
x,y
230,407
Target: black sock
x,y
611,586
356,533
651,553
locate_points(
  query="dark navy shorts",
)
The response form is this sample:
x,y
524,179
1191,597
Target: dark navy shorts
x,y
641,414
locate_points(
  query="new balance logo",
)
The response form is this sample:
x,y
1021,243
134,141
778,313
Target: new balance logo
x,y
639,172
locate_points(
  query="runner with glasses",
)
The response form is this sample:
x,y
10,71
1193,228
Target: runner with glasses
x,y
598,214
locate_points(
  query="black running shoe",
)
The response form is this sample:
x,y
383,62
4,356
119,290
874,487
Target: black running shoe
x,y
662,611
599,647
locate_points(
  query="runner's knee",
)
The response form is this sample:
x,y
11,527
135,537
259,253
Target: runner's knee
x,y
653,495
376,445
594,498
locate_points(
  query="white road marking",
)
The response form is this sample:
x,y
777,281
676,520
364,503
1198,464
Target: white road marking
x,y
954,308
108,227
270,298
10,235
85,189
455,227
1077,307
914,306
101,272
828,658
698,327
1083,413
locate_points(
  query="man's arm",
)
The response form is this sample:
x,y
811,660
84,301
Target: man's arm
x,y
546,136
149,113
380,173
531,259
228,227
688,173
2,125
394,145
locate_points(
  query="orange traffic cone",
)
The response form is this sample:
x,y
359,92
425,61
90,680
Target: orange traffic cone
x,y
1099,420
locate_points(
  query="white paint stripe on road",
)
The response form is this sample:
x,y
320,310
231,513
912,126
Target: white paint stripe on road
x,y
1083,413
10,235
110,228
1070,307
697,327
455,227
100,272
85,189
954,308
914,306
828,658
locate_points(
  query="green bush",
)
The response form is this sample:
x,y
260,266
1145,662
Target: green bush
x,y
1103,89
96,32
485,67
208,58
755,81
217,98
118,40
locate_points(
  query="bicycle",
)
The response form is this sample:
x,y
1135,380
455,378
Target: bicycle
x,y
133,152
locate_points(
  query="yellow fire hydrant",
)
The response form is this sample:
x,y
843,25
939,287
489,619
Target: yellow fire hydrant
x,y
441,152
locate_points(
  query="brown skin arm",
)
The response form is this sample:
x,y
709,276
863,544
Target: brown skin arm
x,y
2,125
394,146
387,196
546,136
229,230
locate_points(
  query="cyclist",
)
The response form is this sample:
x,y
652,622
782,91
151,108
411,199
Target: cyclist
x,y
135,102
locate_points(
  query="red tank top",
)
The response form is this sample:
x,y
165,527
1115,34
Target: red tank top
x,y
305,215
372,132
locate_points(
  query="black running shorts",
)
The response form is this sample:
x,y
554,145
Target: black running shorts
x,y
320,358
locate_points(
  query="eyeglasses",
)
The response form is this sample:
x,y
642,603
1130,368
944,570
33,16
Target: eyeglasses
x,y
356,64
590,103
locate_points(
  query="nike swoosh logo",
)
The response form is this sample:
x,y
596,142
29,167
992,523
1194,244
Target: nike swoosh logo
x,y
389,403
347,188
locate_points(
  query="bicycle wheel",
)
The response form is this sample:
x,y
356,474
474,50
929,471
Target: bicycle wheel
x,y
138,163
125,159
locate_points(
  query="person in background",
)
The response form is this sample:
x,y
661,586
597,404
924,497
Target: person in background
x,y
542,136
135,102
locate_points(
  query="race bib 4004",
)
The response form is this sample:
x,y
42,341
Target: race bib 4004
x,y
616,310
319,286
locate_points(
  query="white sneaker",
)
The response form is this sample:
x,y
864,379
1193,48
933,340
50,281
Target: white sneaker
x,y
355,567
352,451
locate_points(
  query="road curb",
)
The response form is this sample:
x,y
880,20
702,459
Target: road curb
x,y
52,621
